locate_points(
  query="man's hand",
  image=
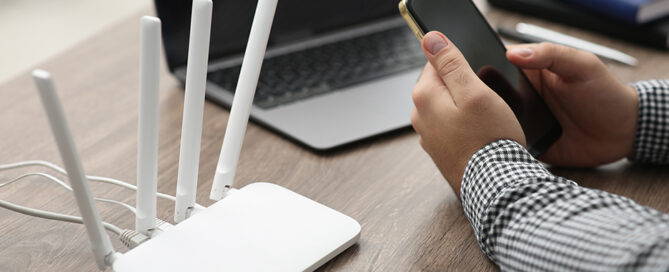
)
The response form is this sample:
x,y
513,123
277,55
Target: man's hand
x,y
455,113
597,112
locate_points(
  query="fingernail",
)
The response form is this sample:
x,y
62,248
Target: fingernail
x,y
434,43
522,52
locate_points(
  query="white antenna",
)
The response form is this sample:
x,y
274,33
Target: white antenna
x,y
191,130
147,145
82,193
241,104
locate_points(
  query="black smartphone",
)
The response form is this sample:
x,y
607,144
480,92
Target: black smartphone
x,y
465,26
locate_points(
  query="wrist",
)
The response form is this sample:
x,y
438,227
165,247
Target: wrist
x,y
634,116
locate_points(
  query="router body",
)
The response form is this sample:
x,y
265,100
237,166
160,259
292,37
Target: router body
x,y
261,227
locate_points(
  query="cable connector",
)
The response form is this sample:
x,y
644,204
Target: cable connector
x,y
161,226
132,239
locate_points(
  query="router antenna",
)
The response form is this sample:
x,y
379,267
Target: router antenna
x,y
191,130
241,104
100,242
147,145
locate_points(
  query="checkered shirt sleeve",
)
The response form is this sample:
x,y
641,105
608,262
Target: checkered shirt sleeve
x,y
526,219
651,144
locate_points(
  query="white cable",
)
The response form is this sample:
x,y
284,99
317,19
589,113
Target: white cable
x,y
50,177
122,204
64,185
126,185
91,178
129,238
53,215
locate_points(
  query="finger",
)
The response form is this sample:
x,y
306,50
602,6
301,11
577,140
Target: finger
x,y
564,61
430,90
449,64
422,142
534,76
432,75
415,120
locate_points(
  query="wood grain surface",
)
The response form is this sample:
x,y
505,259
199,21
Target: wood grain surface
x,y
411,219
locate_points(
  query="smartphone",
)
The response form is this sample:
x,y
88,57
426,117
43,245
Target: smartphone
x,y
465,26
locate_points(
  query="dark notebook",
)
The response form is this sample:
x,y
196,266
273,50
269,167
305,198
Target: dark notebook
x,y
654,34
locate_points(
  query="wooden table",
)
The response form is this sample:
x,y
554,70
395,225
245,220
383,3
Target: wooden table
x,y
411,219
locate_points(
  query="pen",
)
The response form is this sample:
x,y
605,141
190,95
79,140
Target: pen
x,y
532,33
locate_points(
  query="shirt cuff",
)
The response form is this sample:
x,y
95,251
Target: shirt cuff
x,y
651,143
496,170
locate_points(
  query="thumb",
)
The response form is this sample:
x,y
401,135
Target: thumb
x,y
564,61
449,62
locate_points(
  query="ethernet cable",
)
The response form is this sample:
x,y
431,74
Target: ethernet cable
x,y
53,215
60,170
129,238
91,178
62,184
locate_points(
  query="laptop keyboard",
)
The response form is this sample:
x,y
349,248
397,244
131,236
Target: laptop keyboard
x,y
319,70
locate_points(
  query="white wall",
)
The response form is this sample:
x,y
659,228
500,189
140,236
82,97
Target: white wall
x,y
31,31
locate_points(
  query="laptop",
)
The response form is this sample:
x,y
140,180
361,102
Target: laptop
x,y
335,72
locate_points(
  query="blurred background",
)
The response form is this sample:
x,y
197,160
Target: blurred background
x,y
33,31
42,29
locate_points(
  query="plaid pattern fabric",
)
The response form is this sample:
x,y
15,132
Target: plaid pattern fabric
x,y
526,219
652,136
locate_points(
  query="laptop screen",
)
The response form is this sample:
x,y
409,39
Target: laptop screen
x,y
231,22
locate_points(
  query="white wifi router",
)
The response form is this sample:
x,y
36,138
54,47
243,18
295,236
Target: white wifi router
x,y
261,227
